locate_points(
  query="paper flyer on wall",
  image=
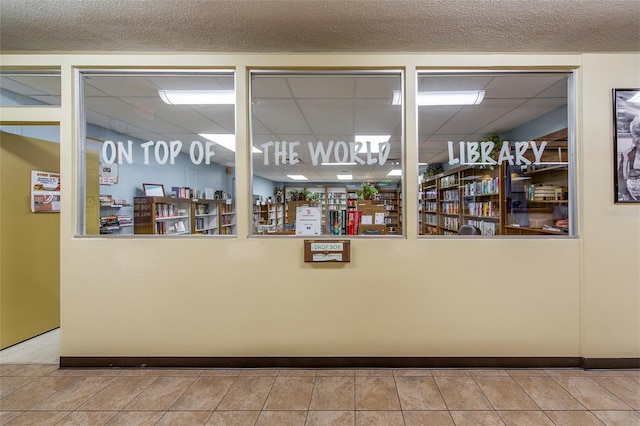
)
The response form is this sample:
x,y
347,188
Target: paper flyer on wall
x,y
45,191
308,220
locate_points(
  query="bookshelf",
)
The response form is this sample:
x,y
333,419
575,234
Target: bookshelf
x,y
462,196
227,215
205,219
116,216
392,200
161,216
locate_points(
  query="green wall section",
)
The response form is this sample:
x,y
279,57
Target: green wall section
x,y
29,243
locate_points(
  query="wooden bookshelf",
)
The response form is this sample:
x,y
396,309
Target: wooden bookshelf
x,y
161,216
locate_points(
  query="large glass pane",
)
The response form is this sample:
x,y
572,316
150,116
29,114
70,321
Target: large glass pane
x,y
327,153
160,153
494,154
29,88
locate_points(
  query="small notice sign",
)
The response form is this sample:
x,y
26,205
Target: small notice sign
x,y
308,220
327,251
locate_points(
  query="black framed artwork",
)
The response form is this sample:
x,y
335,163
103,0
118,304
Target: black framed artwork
x,y
626,120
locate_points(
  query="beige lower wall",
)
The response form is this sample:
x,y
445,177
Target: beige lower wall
x,y
201,297
611,231
414,297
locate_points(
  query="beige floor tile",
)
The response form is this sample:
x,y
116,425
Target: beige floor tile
x,y
505,394
331,418
135,418
6,416
233,418
87,418
10,384
591,394
145,372
88,372
564,372
526,373
38,418
32,370
259,372
462,393
376,393
282,418
205,394
430,418
247,393
625,388
348,372
118,394
606,373
290,393
548,394
374,373
476,418
488,373
161,394
379,418
190,418
412,373
75,394
182,372
8,368
450,373
34,392
618,418
297,373
573,418
333,393
220,372
525,418
419,393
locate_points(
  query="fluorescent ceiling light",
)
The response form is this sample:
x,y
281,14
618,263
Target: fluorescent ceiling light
x,y
297,177
395,172
423,164
198,97
345,177
464,97
226,140
338,164
397,98
375,140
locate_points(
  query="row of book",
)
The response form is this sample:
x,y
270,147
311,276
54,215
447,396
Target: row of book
x,y
450,208
451,195
483,187
343,222
203,224
171,228
430,194
485,227
450,180
486,208
451,223
184,192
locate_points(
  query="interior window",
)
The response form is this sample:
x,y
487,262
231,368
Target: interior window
x,y
327,153
494,154
160,153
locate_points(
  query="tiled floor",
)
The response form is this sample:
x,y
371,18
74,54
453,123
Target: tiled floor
x,y
42,394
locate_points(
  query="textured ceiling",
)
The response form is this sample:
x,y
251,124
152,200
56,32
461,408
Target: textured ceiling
x,y
320,26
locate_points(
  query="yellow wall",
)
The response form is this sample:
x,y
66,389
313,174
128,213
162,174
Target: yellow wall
x,y
29,243
406,297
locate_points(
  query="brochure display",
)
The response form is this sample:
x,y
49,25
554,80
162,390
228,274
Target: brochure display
x,y
45,191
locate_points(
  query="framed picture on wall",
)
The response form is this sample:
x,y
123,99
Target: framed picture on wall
x,y
153,189
626,120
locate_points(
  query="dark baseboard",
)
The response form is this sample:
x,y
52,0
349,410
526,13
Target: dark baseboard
x,y
624,363
342,362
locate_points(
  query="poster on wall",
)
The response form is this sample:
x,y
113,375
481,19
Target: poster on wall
x,y
108,174
45,192
308,220
626,110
